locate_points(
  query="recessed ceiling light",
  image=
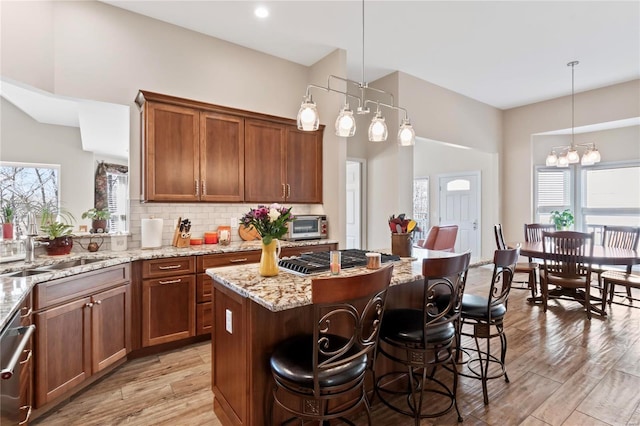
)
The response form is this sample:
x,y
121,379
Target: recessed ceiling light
x,y
261,12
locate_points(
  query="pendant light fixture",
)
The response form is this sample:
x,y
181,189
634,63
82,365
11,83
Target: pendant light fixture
x,y
569,154
345,126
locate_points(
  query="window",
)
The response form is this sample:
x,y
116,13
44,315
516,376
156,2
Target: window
x,y
421,206
553,191
610,195
30,186
117,191
602,194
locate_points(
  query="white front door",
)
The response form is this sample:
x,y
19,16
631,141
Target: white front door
x,y
460,205
353,204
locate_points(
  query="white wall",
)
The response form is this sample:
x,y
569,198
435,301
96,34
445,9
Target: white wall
x,y
617,102
428,162
22,139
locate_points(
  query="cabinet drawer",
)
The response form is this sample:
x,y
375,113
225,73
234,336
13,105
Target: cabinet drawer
x,y
204,318
170,266
203,288
62,290
227,259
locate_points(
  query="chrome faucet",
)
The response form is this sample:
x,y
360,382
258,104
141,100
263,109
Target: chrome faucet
x,y
31,242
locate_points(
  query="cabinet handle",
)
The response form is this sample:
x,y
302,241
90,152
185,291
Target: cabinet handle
x,y
288,191
26,418
244,259
26,360
170,281
88,305
197,188
98,302
284,194
169,267
29,311
307,252
204,188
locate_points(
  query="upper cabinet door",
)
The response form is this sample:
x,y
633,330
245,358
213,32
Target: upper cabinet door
x,y
264,161
304,166
171,152
221,157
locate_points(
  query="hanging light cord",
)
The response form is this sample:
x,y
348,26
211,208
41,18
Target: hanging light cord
x,y
572,65
363,80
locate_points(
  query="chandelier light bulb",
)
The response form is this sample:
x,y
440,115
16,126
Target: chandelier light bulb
x,y
573,156
563,161
378,129
308,119
345,123
406,134
552,159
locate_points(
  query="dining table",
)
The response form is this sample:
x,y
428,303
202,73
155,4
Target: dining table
x,y
602,255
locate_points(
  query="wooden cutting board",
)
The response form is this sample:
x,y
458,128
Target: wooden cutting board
x,y
248,233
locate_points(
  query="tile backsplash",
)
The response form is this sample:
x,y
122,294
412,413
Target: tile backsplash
x,y
204,217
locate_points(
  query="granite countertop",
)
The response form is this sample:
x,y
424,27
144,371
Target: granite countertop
x,y
288,290
13,290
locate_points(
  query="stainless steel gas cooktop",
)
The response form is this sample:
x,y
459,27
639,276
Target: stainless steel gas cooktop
x,y
315,263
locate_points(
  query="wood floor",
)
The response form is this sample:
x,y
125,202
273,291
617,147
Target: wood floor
x,y
563,370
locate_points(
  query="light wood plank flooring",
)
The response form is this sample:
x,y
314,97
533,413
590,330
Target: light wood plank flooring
x,y
563,370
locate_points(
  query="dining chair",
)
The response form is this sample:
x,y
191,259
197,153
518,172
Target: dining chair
x,y
441,238
532,269
482,318
533,232
567,266
420,340
624,237
320,376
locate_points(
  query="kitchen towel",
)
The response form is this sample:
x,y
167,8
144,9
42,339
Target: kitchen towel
x,y
151,233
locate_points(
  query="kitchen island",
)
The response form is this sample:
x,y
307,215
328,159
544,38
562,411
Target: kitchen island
x,y
253,313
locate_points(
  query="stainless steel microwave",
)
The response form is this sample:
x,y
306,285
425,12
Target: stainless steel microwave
x,y
307,227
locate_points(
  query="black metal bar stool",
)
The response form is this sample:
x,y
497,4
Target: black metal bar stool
x,y
422,340
320,376
485,314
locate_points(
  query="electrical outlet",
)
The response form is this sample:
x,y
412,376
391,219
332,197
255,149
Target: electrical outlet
x,y
234,221
228,321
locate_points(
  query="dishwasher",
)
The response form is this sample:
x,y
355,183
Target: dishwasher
x,y
13,340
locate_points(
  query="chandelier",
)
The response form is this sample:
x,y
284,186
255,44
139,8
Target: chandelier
x,y
345,126
569,154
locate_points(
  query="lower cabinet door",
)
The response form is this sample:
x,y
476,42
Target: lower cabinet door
x,y
168,309
111,327
63,340
204,318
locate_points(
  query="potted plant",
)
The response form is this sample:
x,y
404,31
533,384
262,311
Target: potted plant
x,y
8,213
98,218
563,220
57,226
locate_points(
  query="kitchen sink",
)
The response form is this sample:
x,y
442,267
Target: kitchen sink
x,y
72,263
25,273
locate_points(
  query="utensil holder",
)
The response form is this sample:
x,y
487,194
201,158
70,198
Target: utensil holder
x,y
401,244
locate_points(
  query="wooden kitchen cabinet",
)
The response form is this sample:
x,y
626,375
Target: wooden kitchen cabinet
x,y
170,153
168,300
190,154
194,151
83,326
291,159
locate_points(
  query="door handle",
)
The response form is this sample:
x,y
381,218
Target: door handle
x,y
475,225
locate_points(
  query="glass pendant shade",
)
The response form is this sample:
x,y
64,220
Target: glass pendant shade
x,y
563,161
587,159
573,156
308,119
378,129
552,159
595,155
406,134
345,123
